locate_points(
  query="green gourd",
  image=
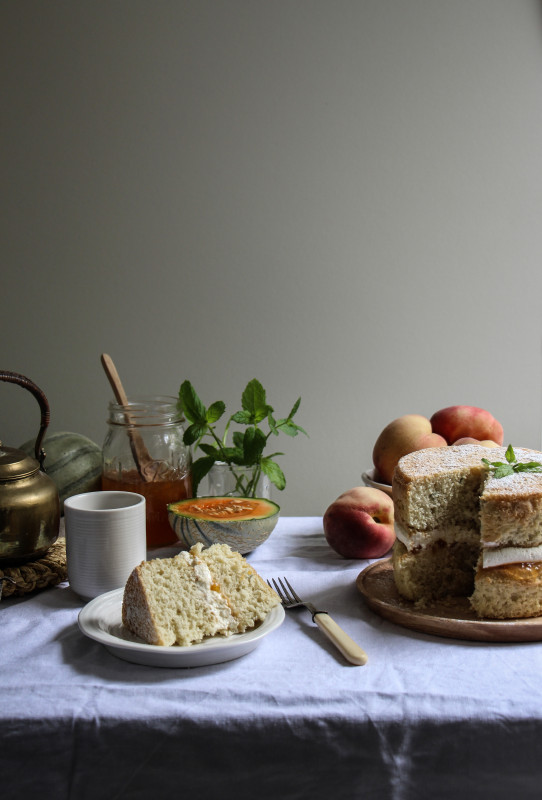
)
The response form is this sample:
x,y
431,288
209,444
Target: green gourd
x,y
72,461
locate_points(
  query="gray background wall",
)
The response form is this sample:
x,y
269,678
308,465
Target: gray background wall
x,y
342,198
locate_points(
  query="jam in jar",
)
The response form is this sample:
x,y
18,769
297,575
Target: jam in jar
x,y
144,452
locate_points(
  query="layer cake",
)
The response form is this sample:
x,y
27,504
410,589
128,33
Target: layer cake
x,y
461,530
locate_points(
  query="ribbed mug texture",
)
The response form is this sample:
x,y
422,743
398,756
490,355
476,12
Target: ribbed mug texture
x,y
105,540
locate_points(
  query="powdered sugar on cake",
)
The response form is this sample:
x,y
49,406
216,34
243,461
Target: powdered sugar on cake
x,y
425,462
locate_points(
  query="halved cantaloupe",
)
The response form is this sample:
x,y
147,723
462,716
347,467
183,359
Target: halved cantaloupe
x,y
241,522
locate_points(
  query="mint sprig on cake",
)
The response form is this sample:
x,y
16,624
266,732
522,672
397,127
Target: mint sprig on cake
x,y
501,469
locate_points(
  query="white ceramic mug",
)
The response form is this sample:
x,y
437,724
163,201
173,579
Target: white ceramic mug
x,y
105,540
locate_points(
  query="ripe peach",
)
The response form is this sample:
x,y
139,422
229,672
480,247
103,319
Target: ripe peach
x,y
359,523
403,435
470,440
458,422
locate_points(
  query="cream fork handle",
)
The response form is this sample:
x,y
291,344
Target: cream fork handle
x,y
350,650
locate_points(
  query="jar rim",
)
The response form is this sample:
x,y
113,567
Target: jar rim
x,y
146,410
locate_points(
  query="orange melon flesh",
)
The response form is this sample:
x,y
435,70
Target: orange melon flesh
x,y
224,508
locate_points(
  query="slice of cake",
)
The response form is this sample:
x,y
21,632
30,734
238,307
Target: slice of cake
x,y
436,498
461,530
194,595
508,579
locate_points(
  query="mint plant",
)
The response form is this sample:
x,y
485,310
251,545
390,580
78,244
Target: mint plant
x,y
248,443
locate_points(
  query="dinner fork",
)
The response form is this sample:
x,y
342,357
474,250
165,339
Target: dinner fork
x,y
289,599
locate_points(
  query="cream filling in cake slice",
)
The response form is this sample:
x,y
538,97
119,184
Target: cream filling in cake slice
x,y
217,605
510,555
419,540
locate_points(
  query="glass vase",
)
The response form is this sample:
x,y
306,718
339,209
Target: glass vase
x,y
224,480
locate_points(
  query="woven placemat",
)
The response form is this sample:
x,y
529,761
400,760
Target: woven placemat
x,y
33,576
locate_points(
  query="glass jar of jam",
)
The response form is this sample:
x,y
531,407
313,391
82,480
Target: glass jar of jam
x,y
144,452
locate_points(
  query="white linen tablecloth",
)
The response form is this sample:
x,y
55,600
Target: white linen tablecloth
x,y
426,717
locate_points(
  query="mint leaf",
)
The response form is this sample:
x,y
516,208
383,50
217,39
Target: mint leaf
x,y
528,466
190,404
502,470
233,455
215,411
242,417
289,428
200,468
193,433
210,450
294,409
253,444
510,455
253,401
274,473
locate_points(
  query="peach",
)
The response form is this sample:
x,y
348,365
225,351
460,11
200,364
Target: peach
x,y
470,440
458,422
404,435
359,523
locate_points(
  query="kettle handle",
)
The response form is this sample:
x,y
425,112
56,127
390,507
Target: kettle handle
x,y
26,383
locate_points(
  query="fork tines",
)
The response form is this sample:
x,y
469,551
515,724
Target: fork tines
x,y
287,593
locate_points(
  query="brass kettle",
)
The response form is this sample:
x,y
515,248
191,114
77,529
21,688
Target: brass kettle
x,y
29,499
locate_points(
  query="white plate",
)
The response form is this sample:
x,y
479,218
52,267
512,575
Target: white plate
x,y
369,480
101,620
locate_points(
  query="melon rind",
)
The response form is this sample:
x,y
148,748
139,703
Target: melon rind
x,y
72,461
242,535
